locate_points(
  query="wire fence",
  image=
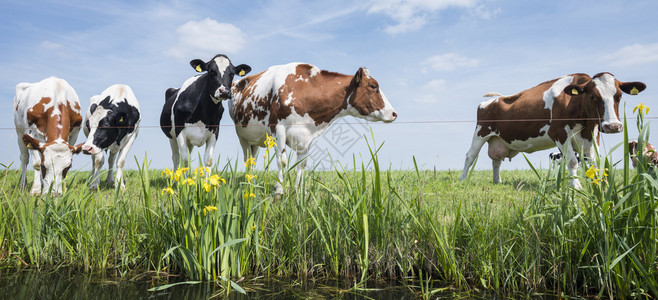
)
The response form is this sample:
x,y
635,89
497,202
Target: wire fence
x,y
358,123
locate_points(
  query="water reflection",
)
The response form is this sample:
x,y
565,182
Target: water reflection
x,y
29,284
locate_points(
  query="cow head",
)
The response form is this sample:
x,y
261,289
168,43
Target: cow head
x,y
601,96
220,75
56,158
365,96
107,123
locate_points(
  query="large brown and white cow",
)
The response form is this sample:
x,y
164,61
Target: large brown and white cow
x,y
568,112
296,102
47,118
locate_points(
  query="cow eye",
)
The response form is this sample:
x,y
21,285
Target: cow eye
x,y
374,87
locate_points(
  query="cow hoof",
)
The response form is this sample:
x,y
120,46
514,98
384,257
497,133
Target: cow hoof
x,y
576,184
93,188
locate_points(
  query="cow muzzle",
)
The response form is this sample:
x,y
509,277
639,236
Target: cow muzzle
x,y
612,127
87,149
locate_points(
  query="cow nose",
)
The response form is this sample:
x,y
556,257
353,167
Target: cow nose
x,y
613,128
395,115
87,149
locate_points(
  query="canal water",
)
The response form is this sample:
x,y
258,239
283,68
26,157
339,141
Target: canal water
x,y
30,284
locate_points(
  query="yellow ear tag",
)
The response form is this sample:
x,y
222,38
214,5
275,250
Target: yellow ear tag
x,y
121,120
198,68
241,73
574,91
634,91
28,146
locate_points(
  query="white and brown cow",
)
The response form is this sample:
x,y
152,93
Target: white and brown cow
x,y
650,154
191,114
47,118
296,102
112,125
568,112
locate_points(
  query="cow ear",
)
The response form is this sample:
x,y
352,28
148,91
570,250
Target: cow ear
x,y
31,143
77,148
573,90
92,108
242,70
198,65
632,88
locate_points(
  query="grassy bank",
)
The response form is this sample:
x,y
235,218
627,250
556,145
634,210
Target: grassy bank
x,y
531,234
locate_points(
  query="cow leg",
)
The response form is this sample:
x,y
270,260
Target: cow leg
x,y
281,158
175,156
210,148
97,161
183,150
122,161
302,158
25,158
472,153
496,170
36,165
572,162
110,172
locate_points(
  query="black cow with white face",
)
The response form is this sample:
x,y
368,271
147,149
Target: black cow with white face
x,y
112,124
191,114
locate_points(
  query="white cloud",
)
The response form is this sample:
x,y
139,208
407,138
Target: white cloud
x,y
206,38
450,61
633,55
413,14
431,91
50,45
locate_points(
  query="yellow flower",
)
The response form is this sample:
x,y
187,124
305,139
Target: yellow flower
x,y
605,172
596,181
201,171
249,195
209,208
250,162
206,186
591,172
189,181
269,141
250,177
641,107
167,172
168,190
215,179
180,173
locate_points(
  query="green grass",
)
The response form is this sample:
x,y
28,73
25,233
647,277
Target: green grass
x,y
532,234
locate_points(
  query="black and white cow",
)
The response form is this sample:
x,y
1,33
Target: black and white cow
x,y
112,124
191,114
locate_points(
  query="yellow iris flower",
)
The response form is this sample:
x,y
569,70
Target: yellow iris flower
x,y
250,177
591,172
249,195
641,107
209,208
250,162
168,190
269,141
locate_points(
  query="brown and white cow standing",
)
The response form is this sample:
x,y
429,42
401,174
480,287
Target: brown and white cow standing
x,y
567,112
47,118
296,102
650,154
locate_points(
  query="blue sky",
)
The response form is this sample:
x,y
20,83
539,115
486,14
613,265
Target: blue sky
x,y
433,59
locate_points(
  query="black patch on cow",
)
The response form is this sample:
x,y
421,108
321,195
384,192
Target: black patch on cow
x,y
194,102
120,120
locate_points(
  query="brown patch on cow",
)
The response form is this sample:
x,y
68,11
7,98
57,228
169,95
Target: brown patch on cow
x,y
649,152
321,96
54,126
585,108
524,107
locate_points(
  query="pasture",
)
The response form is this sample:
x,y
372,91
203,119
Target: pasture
x,y
532,234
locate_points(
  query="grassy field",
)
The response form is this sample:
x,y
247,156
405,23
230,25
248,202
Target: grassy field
x,y
532,234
